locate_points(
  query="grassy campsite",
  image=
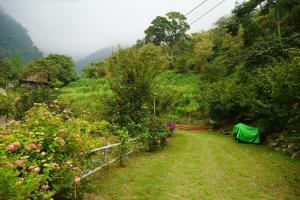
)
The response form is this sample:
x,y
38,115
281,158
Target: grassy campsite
x,y
178,114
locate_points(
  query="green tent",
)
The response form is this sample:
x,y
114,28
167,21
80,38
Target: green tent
x,y
246,133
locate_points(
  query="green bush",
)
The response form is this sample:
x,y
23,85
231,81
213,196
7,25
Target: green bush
x,y
28,97
7,103
130,73
277,92
156,133
94,70
42,153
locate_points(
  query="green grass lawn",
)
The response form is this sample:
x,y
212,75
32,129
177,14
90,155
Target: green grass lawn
x,y
200,165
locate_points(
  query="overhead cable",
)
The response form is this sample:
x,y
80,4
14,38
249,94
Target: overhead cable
x,y
207,12
196,7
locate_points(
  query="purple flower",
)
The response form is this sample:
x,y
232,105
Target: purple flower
x,y
171,125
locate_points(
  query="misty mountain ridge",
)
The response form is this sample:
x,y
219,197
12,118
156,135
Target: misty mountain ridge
x,y
14,39
101,54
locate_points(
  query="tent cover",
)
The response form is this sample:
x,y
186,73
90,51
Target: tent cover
x,y
246,133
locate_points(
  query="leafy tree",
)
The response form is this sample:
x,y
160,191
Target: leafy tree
x,y
130,73
274,16
277,87
94,70
168,31
5,73
8,73
7,103
65,67
202,49
52,69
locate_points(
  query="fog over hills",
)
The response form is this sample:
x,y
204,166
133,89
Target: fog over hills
x,y
79,27
14,39
97,56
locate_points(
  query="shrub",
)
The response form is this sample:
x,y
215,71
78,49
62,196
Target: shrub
x,y
156,133
41,153
94,70
29,97
7,103
130,74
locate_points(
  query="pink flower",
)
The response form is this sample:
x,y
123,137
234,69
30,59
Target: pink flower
x,y
76,180
20,163
45,186
62,143
17,144
31,146
11,147
40,145
37,170
43,153
30,168
61,130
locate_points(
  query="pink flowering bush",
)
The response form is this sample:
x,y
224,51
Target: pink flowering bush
x,y
41,153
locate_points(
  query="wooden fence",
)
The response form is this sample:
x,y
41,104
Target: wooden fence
x,y
191,127
106,150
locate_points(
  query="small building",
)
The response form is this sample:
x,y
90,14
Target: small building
x,y
36,80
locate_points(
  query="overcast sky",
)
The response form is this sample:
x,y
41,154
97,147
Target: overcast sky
x,y
80,27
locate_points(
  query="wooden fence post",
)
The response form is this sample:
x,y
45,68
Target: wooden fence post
x,y
106,151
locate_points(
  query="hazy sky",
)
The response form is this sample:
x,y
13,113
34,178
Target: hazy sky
x,y
80,27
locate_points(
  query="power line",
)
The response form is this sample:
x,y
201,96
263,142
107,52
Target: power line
x,y
196,7
207,12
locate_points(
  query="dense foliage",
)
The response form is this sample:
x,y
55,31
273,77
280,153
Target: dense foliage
x,y
253,69
56,70
130,73
245,69
41,153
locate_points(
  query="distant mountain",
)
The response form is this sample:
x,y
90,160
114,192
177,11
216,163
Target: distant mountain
x,y
101,54
15,40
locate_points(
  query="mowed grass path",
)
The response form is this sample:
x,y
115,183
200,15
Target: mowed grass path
x,y
200,165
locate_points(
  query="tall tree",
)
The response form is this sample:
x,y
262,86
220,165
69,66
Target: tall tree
x,y
130,73
167,31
